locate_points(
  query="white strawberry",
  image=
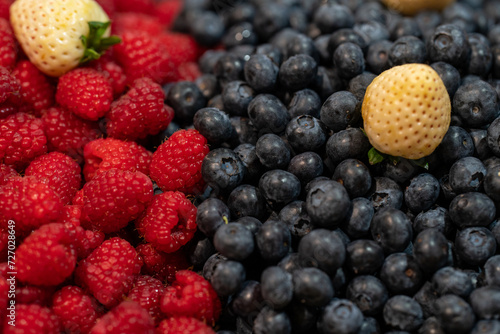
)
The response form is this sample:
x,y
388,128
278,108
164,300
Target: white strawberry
x,y
50,32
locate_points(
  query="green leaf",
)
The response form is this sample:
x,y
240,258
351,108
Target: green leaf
x,y
94,43
364,132
375,157
422,162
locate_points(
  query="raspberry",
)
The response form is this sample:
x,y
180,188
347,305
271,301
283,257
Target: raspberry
x,y
86,92
141,55
411,7
104,154
167,11
136,6
4,290
37,93
33,319
86,241
128,317
140,112
114,198
191,296
147,292
188,71
169,222
30,203
10,88
71,216
7,109
113,72
109,271
4,10
21,140
182,325
59,171
68,133
8,49
161,265
30,294
6,172
77,310
176,164
133,21
4,242
181,47
48,249
406,111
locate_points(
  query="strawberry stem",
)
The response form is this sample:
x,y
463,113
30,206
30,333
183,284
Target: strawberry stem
x,y
94,43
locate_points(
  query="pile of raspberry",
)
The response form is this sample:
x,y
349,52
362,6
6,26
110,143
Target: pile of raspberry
x,y
100,223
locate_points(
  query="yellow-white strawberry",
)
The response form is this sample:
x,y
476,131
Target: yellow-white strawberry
x,y
50,32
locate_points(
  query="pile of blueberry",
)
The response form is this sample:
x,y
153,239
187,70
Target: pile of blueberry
x,y
298,233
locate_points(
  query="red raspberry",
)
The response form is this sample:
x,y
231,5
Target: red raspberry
x,y
109,271
77,310
167,11
86,241
10,88
37,93
181,47
140,112
128,317
176,164
6,172
71,216
4,10
113,72
30,294
114,198
8,49
7,109
183,325
30,203
141,55
86,92
21,140
68,133
59,171
4,242
188,71
136,6
191,296
147,292
161,265
104,154
134,21
169,221
4,290
33,319
48,249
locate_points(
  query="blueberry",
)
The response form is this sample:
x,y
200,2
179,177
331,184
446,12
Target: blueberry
x,y
492,271
364,257
422,192
269,321
340,316
301,44
212,262
345,35
481,149
327,82
427,21
273,240
358,223
236,96
208,85
216,102
268,114
460,14
349,60
270,19
449,280
369,326
330,17
456,144
368,293
227,278
303,318
407,49
200,251
207,29
306,133
322,249
297,72
234,241
385,194
241,33
304,102
208,60
472,209
486,327
213,124
377,57
406,26
222,169
430,250
372,31
295,216
476,103
340,110
481,58
401,274
354,176
261,73
358,86
391,229
229,67
241,12
272,151
246,200
426,297
248,300
211,214
328,204
454,314
403,313
290,263
281,40
492,183
449,43
494,137
449,75
371,11
277,287
431,326
270,51
348,143
306,166
279,187
251,223
399,171
485,302
474,245
249,158
312,287
185,98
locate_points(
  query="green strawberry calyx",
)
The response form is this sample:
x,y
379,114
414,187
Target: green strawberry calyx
x,y
375,157
94,43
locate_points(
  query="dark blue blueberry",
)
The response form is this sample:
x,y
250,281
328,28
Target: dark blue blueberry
x,y
277,287
304,102
268,114
208,60
306,166
449,75
495,66
290,263
437,218
346,35
486,327
301,44
407,49
475,245
449,43
349,60
185,98
213,124
492,183
371,11
340,316
207,28
494,35
492,271
212,263
446,189
422,192
354,176
272,151
323,249
328,204
270,19
476,103
401,274
403,313
227,278
385,193
281,40
208,85
430,249
236,97
222,169
248,300
348,143
426,297
456,144
368,293
216,102
369,326
331,17
295,216
460,14
327,82
312,287
400,171
449,280
321,43
234,241
372,31
241,12
406,26
251,223
358,85
364,257
261,73
244,52
211,214
242,325
485,302
494,136
279,187
377,57
249,158
229,67
431,326
472,209
298,72
241,33
246,200
427,21
306,133
340,110
391,229
481,58
481,148
303,318
454,314
270,51
358,223
299,20
245,131
269,321
273,241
